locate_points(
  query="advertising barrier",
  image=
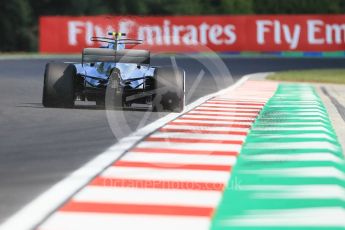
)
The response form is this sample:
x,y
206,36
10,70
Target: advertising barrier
x,y
268,33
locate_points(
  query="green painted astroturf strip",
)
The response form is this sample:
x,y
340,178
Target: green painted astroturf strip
x,y
291,171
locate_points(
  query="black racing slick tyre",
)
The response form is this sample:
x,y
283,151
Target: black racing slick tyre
x,y
58,88
169,90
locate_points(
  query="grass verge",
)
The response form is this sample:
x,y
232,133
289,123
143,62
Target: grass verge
x,y
336,76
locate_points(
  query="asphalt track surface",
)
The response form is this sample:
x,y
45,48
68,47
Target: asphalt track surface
x,y
40,146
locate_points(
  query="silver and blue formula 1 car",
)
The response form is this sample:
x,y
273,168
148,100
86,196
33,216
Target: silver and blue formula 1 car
x,y
115,77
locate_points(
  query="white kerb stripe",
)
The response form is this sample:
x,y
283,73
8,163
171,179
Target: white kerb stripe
x,y
179,158
210,104
190,146
234,100
227,109
201,136
217,117
222,113
92,221
167,174
248,98
205,128
148,196
213,122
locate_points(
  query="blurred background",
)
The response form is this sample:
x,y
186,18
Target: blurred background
x,y
19,18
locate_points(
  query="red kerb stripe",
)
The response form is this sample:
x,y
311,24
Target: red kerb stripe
x,y
74,206
156,184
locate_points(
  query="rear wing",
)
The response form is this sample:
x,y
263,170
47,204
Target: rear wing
x,y
120,56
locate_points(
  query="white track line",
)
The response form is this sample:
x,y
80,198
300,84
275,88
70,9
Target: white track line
x,y
37,210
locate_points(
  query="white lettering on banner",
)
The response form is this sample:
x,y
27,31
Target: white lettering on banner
x,y
313,30
293,38
151,34
176,34
74,28
125,26
335,33
187,34
100,32
215,32
277,35
191,36
229,31
166,29
165,34
316,33
320,33
281,32
261,29
87,28
203,29
89,33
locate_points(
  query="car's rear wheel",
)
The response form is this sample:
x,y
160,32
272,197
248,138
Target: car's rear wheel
x,y
169,89
58,88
